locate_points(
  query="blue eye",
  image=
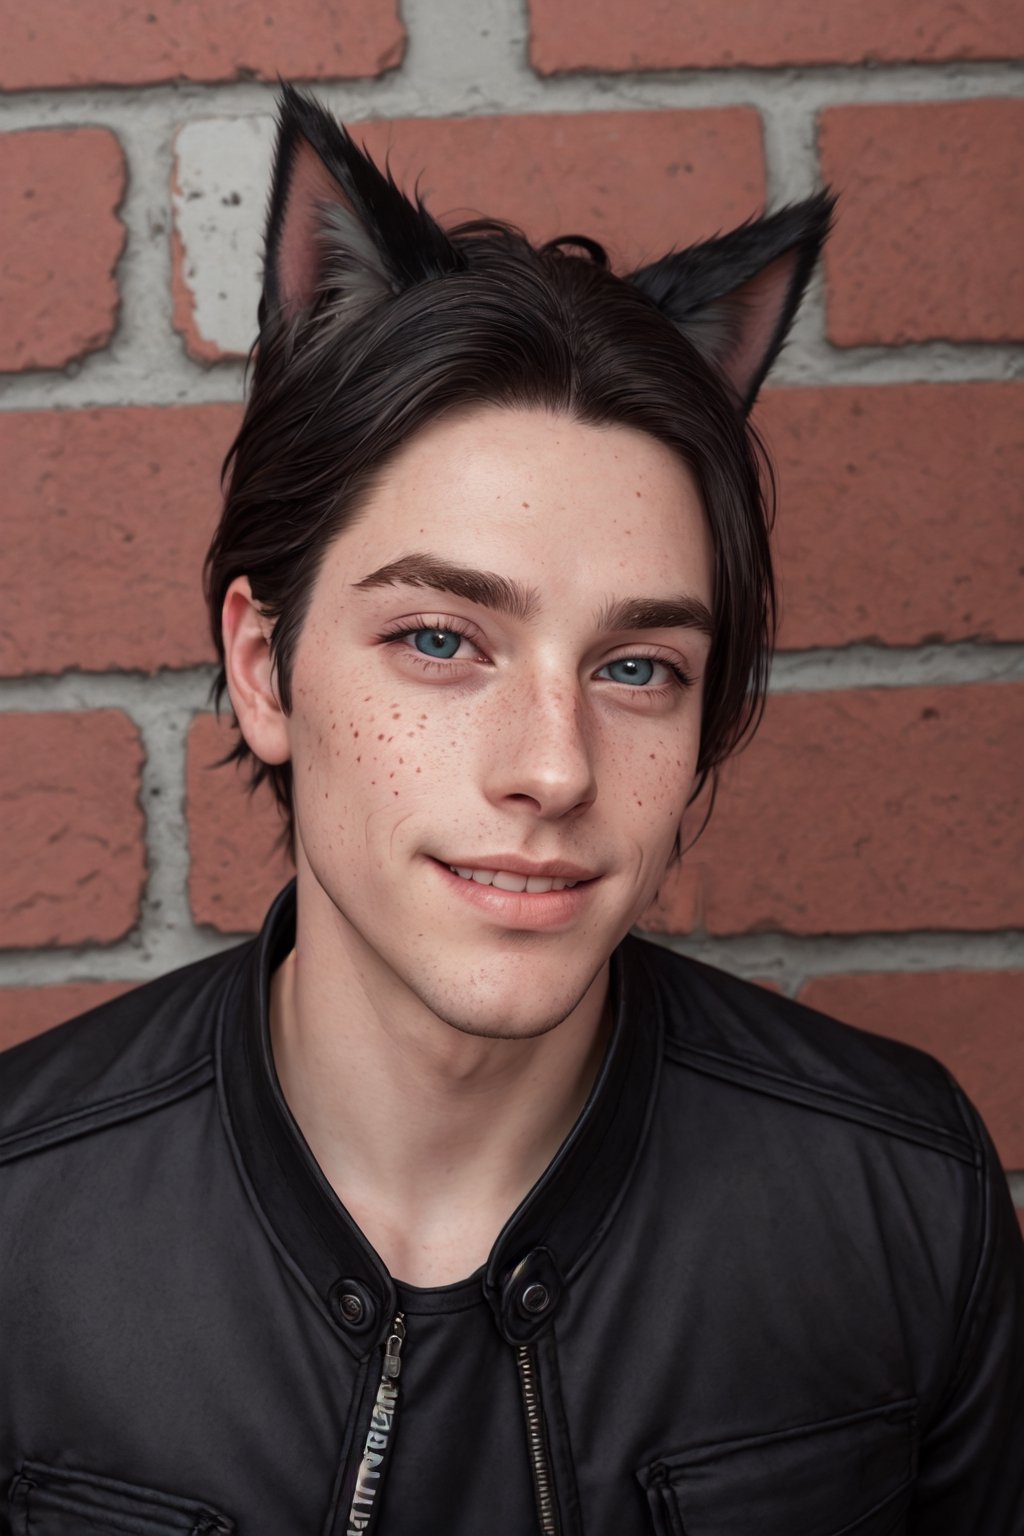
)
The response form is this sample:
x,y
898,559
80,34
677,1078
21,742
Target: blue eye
x,y
631,669
437,642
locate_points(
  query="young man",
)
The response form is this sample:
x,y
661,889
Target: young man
x,y
445,1206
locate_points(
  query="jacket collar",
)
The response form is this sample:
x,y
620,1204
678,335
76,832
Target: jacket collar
x,y
544,1243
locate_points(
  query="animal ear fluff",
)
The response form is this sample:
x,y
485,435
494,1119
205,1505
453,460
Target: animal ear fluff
x,y
735,297
337,223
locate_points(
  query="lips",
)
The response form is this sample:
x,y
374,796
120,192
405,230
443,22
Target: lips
x,y
535,896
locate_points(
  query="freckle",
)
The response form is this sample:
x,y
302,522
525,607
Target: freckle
x,y
423,717
652,757
380,736
394,791
401,760
390,775
412,733
639,802
396,717
391,738
356,735
418,770
526,503
358,759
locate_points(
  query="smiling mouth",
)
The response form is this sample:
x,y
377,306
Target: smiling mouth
x,y
507,880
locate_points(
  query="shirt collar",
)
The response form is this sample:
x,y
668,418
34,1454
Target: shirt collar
x,y
544,1243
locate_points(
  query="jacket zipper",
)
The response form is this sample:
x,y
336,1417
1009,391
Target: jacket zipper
x,y
363,1512
539,1462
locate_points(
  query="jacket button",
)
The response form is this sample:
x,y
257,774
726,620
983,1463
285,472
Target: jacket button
x,y
351,1308
535,1299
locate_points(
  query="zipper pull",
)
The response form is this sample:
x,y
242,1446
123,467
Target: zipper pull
x,y
362,1516
393,1349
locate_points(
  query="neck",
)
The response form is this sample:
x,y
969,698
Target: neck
x,y
430,1136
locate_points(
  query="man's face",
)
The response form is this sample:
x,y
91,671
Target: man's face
x,y
484,683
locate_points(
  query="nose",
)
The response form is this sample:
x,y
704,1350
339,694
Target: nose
x,y
541,753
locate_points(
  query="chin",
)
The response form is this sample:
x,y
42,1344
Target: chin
x,y
508,1012
503,1028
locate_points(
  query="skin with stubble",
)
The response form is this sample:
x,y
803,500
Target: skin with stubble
x,y
500,670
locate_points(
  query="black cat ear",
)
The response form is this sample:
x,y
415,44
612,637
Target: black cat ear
x,y
336,222
735,297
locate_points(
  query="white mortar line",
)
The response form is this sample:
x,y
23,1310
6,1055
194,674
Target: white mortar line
x,y
509,85
791,960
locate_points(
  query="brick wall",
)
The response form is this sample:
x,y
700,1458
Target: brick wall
x,y
866,854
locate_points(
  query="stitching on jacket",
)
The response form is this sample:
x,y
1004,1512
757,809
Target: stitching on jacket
x,y
827,1100
94,1117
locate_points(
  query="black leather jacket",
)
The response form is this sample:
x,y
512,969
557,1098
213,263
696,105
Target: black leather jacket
x,y
770,1286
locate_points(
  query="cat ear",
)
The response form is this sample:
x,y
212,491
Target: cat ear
x,y
336,222
735,297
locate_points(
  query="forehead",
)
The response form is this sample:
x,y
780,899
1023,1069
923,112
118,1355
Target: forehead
x,y
544,499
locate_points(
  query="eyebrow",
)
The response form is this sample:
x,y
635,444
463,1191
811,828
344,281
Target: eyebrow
x,y
658,613
505,595
482,587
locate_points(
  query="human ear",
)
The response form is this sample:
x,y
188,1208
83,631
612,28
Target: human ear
x,y
735,297
249,669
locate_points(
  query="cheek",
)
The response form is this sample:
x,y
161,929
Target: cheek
x,y
361,752
653,783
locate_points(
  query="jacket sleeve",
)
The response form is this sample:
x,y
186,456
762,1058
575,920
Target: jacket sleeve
x,y
971,1471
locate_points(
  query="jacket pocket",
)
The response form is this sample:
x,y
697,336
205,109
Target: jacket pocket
x,y
51,1501
851,1476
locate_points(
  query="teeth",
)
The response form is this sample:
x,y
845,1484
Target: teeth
x,y
505,880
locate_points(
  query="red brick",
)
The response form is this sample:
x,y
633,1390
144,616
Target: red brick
x,y
107,516
973,1021
867,810
236,867
74,858
871,532
28,1011
610,35
931,224
104,42
61,238
642,181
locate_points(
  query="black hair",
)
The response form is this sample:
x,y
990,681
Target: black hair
x,y
363,353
